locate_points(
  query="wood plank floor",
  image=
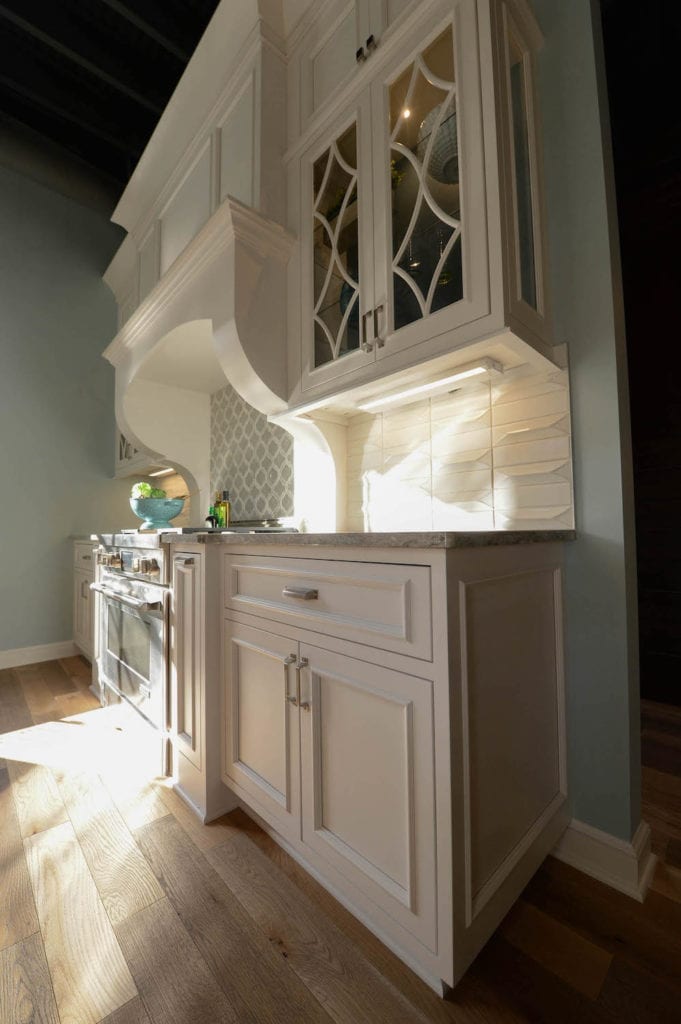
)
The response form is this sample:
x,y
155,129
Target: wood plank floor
x,y
117,906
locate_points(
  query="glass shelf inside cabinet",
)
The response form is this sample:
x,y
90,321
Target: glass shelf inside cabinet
x,y
336,250
424,171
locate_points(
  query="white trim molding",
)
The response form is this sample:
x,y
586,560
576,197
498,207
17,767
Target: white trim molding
x,y
41,652
625,866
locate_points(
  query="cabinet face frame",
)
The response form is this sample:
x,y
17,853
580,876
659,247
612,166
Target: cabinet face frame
x,y
358,113
474,241
282,807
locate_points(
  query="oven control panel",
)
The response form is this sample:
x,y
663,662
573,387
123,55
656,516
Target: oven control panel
x,y
131,562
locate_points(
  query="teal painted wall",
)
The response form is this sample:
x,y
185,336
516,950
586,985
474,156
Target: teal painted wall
x,y
601,633
56,403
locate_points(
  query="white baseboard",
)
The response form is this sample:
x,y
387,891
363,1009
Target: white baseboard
x,y
41,652
627,867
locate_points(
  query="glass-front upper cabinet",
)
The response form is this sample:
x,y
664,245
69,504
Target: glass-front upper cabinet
x,y
336,252
431,261
420,202
521,167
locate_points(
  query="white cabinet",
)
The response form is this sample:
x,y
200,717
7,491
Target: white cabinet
x,y
262,735
399,722
83,598
419,205
194,691
367,766
340,40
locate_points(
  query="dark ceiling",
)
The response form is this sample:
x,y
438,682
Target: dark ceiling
x,y
94,76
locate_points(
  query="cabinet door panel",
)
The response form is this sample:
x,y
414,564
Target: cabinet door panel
x,y
82,614
328,58
336,248
261,737
186,656
431,231
368,785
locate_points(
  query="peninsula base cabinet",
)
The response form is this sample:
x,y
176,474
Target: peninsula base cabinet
x,y
396,718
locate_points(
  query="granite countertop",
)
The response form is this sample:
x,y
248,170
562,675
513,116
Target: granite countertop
x,y
430,539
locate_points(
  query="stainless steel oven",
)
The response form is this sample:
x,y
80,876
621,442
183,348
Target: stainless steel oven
x,y
132,619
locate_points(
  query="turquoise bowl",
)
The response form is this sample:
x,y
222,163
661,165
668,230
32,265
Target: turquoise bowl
x,y
156,512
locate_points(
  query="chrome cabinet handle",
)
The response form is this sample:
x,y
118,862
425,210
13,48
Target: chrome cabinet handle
x,y
305,705
366,344
301,593
380,342
291,659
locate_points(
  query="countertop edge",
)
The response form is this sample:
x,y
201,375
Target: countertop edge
x,y
446,540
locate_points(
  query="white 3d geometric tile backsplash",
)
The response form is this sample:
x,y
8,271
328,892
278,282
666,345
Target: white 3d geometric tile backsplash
x,y
249,457
492,455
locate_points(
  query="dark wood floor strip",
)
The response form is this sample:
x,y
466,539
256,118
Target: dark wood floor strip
x,y
647,934
26,994
350,988
18,918
173,980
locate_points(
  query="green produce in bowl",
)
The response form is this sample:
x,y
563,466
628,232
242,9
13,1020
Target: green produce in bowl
x,y
143,490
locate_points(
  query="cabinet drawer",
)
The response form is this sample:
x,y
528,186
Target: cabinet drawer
x,y
83,557
385,606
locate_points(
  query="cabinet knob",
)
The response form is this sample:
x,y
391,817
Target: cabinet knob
x,y
371,43
360,55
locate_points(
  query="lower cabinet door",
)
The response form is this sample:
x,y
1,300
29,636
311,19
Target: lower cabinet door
x,y
367,760
261,751
82,611
186,657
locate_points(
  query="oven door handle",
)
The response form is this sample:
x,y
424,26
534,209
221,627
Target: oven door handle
x,y
143,607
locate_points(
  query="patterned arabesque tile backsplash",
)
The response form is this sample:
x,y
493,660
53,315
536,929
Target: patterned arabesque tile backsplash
x,y
249,457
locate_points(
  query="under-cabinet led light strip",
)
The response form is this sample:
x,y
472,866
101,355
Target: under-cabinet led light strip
x,y
162,472
484,366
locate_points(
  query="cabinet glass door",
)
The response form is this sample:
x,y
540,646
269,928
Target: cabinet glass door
x,y
431,253
336,254
425,200
336,250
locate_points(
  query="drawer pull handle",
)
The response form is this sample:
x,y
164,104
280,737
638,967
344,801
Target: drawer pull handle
x,y
302,593
86,558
